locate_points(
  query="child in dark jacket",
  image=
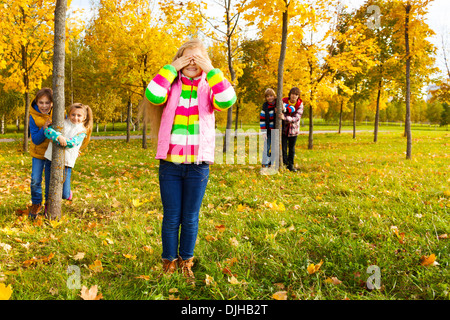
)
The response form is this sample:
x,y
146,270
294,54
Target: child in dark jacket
x,y
267,120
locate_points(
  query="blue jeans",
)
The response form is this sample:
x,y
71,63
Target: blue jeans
x,y
267,152
37,167
66,184
182,188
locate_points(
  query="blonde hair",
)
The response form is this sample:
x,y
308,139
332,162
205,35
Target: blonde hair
x,y
150,113
88,122
269,92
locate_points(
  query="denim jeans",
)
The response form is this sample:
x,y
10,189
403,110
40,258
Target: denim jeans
x,y
267,152
288,159
37,167
66,184
182,188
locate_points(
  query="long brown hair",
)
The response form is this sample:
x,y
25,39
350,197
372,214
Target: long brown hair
x,y
151,113
88,122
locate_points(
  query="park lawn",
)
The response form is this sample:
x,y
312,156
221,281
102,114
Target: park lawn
x,y
354,206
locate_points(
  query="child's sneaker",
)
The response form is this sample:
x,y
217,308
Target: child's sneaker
x,y
70,196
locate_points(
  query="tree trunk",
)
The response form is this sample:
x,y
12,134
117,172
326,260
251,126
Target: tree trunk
x,y
311,127
129,107
230,31
408,85
340,118
377,114
57,167
26,82
144,123
354,119
354,112
279,107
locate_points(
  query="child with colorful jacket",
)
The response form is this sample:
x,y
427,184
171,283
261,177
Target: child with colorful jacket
x,y
190,89
292,113
267,120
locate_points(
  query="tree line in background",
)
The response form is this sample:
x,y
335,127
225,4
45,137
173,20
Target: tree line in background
x,y
349,64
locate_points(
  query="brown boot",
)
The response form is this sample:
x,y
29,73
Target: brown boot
x,y
185,267
169,267
34,210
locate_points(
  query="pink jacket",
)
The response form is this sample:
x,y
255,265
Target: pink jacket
x,y
206,121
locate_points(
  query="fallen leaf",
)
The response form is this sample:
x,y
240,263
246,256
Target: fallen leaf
x,y
210,238
96,266
314,268
220,228
90,294
280,295
209,280
129,256
144,277
227,271
79,256
5,291
233,280
333,280
429,261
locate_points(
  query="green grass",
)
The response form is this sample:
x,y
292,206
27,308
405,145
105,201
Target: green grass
x,y
341,207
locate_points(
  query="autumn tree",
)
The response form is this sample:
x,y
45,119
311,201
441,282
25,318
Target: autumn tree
x,y
25,48
415,52
57,166
278,21
351,55
130,41
226,33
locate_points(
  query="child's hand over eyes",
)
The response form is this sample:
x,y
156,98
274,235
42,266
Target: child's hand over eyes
x,y
203,63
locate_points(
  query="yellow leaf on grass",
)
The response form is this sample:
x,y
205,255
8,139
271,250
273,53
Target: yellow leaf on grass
x,y
209,280
5,291
129,256
233,280
144,277
429,261
96,266
90,294
312,268
280,295
333,280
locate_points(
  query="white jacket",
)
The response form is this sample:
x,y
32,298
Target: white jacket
x,y
70,154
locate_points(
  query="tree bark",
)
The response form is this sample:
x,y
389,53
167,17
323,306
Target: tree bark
x,y
144,123
408,86
57,167
377,113
354,111
129,107
279,107
229,34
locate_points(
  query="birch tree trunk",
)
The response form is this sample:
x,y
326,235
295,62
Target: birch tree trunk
x,y
57,167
